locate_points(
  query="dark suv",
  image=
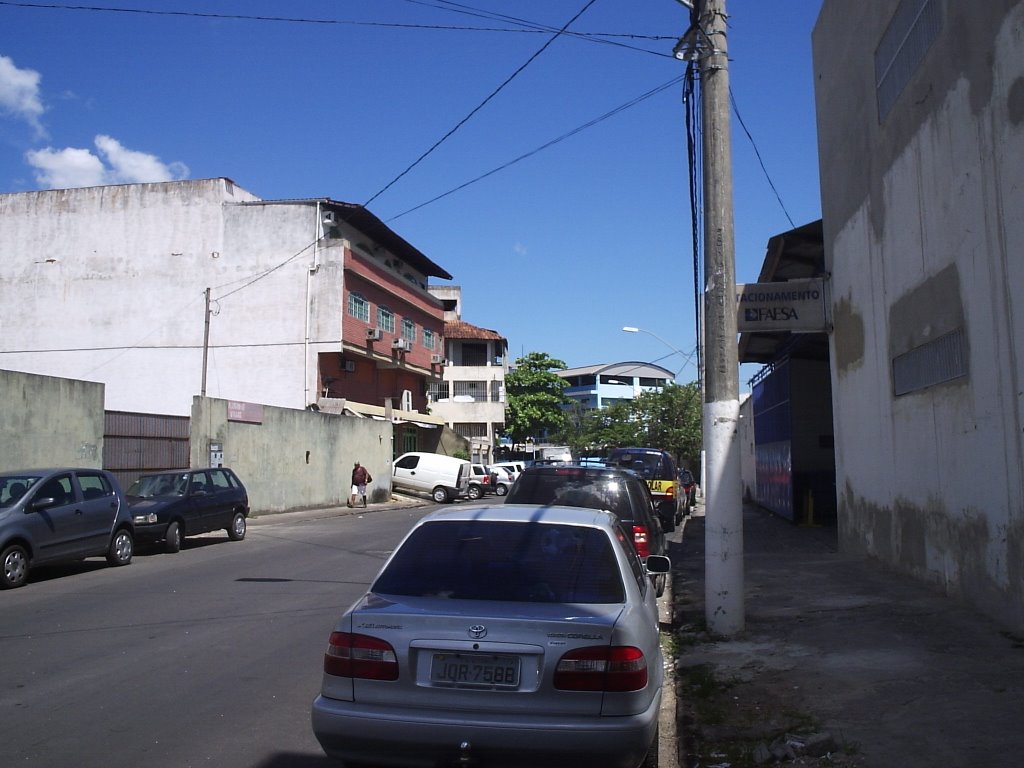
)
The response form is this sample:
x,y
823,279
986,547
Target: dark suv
x,y
619,491
658,469
168,506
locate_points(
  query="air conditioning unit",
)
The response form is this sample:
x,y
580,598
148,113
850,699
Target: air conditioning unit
x,y
437,359
373,334
401,344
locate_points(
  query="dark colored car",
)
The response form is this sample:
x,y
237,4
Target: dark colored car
x,y
168,506
616,490
658,469
52,515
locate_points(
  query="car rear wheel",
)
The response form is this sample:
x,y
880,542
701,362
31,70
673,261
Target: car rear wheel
x,y
121,549
236,532
501,490
15,567
475,492
173,538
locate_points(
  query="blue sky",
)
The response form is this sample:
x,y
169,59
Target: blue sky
x,y
557,251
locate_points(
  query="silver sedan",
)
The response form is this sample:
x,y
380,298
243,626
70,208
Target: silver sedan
x,y
500,636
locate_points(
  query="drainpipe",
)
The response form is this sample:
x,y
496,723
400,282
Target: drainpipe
x,y
312,270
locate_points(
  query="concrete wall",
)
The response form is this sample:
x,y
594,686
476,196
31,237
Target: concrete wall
x,y
923,235
294,459
49,422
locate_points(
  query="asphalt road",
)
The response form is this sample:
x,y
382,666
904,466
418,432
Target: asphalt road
x,y
210,656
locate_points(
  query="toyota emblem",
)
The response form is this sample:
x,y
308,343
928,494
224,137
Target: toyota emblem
x,y
478,631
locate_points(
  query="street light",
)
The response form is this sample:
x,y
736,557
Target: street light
x,y
686,357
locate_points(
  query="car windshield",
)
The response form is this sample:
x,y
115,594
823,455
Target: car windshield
x,y
573,487
647,465
149,486
13,487
505,561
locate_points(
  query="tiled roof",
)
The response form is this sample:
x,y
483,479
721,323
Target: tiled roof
x,y
460,330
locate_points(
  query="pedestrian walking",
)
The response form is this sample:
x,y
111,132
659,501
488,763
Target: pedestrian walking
x,y
360,477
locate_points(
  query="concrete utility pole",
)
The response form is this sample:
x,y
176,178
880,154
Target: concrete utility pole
x,y
724,591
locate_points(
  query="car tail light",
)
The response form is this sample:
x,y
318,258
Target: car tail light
x,y
641,540
614,668
360,656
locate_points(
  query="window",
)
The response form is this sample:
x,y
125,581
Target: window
x,y
409,440
359,307
470,429
471,391
94,486
911,32
408,329
429,339
506,561
943,359
437,390
385,319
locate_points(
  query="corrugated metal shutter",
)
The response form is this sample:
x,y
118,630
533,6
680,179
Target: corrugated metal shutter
x,y
135,443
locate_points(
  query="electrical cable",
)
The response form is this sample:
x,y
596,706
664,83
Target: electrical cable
x,y
481,105
601,37
631,103
736,110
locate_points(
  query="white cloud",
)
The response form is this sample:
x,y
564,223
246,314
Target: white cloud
x,y
72,167
66,168
19,94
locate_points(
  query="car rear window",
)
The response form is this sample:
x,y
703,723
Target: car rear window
x,y
505,561
570,487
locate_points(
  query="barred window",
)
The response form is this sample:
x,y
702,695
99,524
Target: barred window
x,y
437,390
429,339
914,27
476,390
359,307
408,329
470,429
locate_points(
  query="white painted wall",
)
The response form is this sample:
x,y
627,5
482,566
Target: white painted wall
x,y
107,284
932,482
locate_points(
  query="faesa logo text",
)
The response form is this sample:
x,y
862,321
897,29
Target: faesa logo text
x,y
770,314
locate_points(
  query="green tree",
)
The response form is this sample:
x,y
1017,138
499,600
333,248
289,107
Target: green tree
x,y
669,420
535,397
672,420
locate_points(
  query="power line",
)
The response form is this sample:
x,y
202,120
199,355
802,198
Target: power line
x,y
481,105
541,148
526,28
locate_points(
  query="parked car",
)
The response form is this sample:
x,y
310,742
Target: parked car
x,y
443,478
616,490
51,515
502,637
515,468
168,506
480,482
658,469
501,479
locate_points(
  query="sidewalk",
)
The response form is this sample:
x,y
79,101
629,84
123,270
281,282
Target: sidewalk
x,y
397,501
882,671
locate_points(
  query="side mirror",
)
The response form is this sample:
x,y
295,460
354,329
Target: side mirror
x,y
658,564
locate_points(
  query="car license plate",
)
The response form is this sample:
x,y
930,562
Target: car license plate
x,y
475,670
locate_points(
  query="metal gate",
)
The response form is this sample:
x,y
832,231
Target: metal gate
x,y
135,443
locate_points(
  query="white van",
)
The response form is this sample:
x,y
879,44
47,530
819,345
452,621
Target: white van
x,y
441,477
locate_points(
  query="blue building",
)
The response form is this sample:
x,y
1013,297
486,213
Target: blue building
x,y
599,386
